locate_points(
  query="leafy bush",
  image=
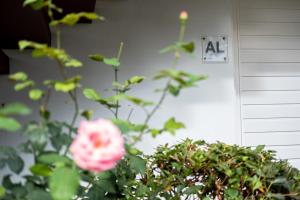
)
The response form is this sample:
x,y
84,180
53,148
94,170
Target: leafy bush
x,y
197,170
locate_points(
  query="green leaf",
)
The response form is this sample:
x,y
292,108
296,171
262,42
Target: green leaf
x,y
41,170
72,18
73,63
7,183
188,47
67,85
52,158
37,135
19,76
96,193
35,94
137,163
172,125
35,4
232,193
91,94
134,80
9,124
155,132
135,100
23,85
124,126
114,62
64,87
255,183
23,44
87,114
97,57
15,163
174,90
2,192
193,189
41,50
64,183
15,109
38,194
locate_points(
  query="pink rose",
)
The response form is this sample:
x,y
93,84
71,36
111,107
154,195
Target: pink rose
x,y
99,146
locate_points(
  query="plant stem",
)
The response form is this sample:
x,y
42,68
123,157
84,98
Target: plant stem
x,y
166,88
72,94
76,106
116,70
58,38
117,92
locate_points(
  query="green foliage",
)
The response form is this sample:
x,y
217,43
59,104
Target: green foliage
x,y
39,4
180,47
179,80
15,109
54,175
8,123
91,94
2,192
9,157
35,94
18,76
170,126
64,183
67,85
216,171
42,50
72,18
41,170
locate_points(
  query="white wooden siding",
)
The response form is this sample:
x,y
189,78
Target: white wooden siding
x,y
269,67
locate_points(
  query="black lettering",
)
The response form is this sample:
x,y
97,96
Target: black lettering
x,y
210,47
218,48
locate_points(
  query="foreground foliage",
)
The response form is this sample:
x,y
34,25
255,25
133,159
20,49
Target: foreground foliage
x,y
53,173
197,170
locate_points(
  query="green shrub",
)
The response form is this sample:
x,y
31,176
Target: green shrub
x,y
197,170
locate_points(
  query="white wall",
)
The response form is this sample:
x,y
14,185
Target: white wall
x,y
209,111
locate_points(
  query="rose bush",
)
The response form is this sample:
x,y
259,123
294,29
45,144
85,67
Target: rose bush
x,y
98,159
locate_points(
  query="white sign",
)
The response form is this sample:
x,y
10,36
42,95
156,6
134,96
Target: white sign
x,y
215,49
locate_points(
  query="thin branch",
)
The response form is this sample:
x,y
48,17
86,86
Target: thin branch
x,y
116,70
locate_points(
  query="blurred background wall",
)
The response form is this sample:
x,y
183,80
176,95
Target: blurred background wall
x,y
209,111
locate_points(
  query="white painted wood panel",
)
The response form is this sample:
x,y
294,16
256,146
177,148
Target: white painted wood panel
x,y
269,15
270,125
295,163
270,42
271,139
270,29
270,97
270,83
271,111
270,69
267,56
277,4
287,152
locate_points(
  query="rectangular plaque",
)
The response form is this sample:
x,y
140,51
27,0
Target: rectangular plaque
x,y
215,49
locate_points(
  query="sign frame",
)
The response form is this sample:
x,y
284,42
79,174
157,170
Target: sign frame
x,y
219,44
